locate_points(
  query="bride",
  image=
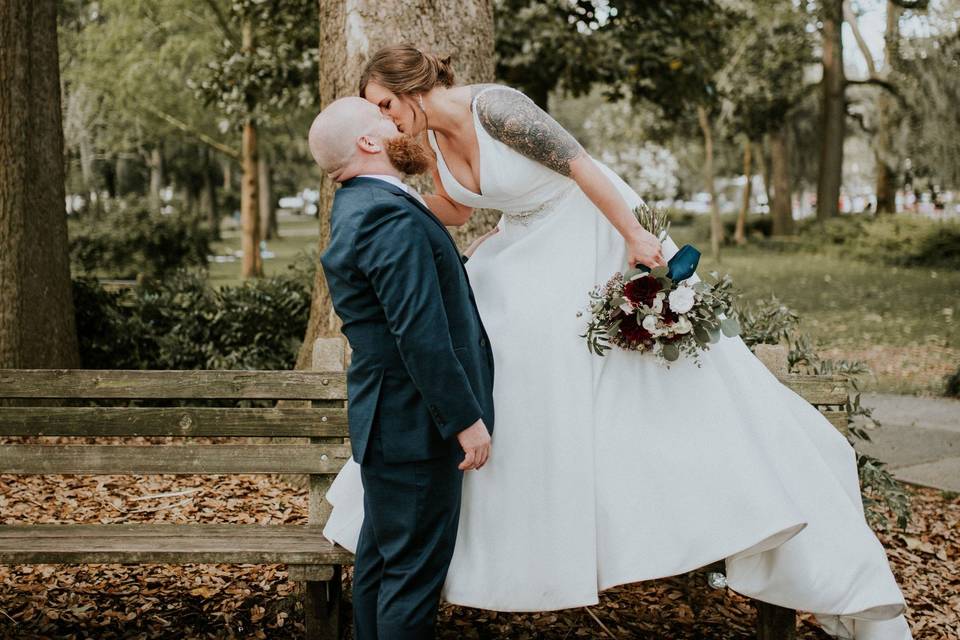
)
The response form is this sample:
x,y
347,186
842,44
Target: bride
x,y
613,470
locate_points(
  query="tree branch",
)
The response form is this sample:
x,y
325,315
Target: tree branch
x,y
225,28
183,126
851,19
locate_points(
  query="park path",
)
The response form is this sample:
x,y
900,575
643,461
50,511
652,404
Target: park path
x,y
919,438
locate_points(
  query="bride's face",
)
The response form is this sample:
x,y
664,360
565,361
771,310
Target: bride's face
x,y
403,110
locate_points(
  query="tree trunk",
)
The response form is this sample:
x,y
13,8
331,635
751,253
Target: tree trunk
x,y
37,319
249,215
208,198
268,208
886,161
156,179
716,227
740,233
832,112
763,159
461,28
781,207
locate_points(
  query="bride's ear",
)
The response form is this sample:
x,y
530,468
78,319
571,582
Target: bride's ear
x,y
369,145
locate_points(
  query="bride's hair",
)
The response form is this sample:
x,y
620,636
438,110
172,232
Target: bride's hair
x,y
406,70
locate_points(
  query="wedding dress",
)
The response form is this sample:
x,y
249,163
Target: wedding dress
x,y
612,470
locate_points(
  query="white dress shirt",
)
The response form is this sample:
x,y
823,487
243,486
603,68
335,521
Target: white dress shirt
x,y
395,181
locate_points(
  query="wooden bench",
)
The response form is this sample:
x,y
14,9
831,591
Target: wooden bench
x,y
312,442
310,557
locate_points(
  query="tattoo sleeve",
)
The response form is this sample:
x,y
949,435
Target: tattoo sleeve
x,y
515,120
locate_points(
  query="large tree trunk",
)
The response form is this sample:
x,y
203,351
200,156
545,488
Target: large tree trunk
x,y
832,112
249,205
268,208
781,208
740,233
461,28
37,321
716,227
886,160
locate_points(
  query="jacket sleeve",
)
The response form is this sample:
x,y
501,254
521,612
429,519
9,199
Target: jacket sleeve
x,y
394,252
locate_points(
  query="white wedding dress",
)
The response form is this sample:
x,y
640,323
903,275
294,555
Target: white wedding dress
x,y
605,471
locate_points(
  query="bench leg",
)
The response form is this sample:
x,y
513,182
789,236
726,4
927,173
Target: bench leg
x,y
775,623
321,606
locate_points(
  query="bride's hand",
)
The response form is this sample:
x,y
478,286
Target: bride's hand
x,y
476,243
644,248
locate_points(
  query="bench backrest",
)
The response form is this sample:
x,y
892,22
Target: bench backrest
x,y
321,419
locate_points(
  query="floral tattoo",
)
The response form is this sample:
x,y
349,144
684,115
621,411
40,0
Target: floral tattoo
x,y
515,120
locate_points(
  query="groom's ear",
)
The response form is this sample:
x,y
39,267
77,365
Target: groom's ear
x,y
369,144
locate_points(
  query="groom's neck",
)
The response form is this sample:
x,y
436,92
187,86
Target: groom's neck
x,y
384,168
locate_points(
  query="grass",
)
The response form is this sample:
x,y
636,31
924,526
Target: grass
x,y
903,322
297,235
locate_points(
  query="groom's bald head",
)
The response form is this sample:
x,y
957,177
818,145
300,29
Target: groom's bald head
x,y
335,133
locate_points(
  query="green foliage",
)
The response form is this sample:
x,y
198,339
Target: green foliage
x,y
952,385
183,323
277,74
900,240
126,239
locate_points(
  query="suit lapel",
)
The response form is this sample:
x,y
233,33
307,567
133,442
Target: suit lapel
x,y
382,184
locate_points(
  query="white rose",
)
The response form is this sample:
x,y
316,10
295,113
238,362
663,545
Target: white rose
x,y
627,307
681,299
682,326
650,323
657,303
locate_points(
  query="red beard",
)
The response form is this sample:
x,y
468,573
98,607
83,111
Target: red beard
x,y
407,155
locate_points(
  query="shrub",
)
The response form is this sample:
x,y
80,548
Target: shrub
x,y
184,323
126,239
952,386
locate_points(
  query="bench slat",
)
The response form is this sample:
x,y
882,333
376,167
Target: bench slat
x,y
168,543
172,421
194,458
247,385
818,389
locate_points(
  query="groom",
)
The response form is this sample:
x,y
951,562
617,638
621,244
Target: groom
x,y
421,379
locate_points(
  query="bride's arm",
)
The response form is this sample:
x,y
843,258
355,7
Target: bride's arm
x,y
449,211
515,120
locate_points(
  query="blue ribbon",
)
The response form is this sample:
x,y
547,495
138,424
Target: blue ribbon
x,y
682,265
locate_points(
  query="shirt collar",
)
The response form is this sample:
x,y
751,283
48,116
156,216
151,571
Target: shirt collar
x,y
391,179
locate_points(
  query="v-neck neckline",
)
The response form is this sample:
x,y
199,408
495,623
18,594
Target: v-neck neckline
x,y
446,167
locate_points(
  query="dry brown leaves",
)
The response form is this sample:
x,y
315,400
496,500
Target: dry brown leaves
x,y
107,602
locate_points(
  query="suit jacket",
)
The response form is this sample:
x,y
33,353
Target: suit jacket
x,y
422,367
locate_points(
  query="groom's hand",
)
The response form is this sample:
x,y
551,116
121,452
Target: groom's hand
x,y
475,441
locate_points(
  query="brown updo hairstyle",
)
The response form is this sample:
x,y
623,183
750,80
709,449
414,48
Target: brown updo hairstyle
x,y
405,70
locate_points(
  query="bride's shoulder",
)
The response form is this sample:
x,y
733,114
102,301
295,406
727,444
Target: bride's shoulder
x,y
490,92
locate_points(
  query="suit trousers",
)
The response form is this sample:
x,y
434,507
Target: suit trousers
x,y
411,513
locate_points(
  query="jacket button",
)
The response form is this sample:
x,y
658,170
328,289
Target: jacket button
x,y
483,342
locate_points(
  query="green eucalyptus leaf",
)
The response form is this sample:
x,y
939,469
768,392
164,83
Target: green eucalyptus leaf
x,y
730,327
670,352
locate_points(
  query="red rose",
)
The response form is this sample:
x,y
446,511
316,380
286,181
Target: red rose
x,y
668,315
642,290
633,332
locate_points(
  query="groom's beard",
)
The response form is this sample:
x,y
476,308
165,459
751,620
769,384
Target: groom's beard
x,y
407,155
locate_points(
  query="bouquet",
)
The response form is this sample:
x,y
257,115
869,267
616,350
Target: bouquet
x,y
659,311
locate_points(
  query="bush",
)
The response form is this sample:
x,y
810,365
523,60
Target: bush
x,y
126,239
900,240
952,386
183,323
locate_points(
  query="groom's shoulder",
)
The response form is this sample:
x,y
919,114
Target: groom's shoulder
x,y
365,206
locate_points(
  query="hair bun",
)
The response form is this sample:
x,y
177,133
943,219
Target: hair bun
x,y
442,67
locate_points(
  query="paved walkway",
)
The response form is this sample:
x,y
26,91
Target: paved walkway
x,y
919,438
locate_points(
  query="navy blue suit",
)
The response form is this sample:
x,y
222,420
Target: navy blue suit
x,y
421,372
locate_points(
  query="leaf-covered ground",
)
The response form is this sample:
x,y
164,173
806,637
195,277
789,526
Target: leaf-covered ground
x,y
107,602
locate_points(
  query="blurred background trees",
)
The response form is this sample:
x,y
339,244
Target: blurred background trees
x,y
783,124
